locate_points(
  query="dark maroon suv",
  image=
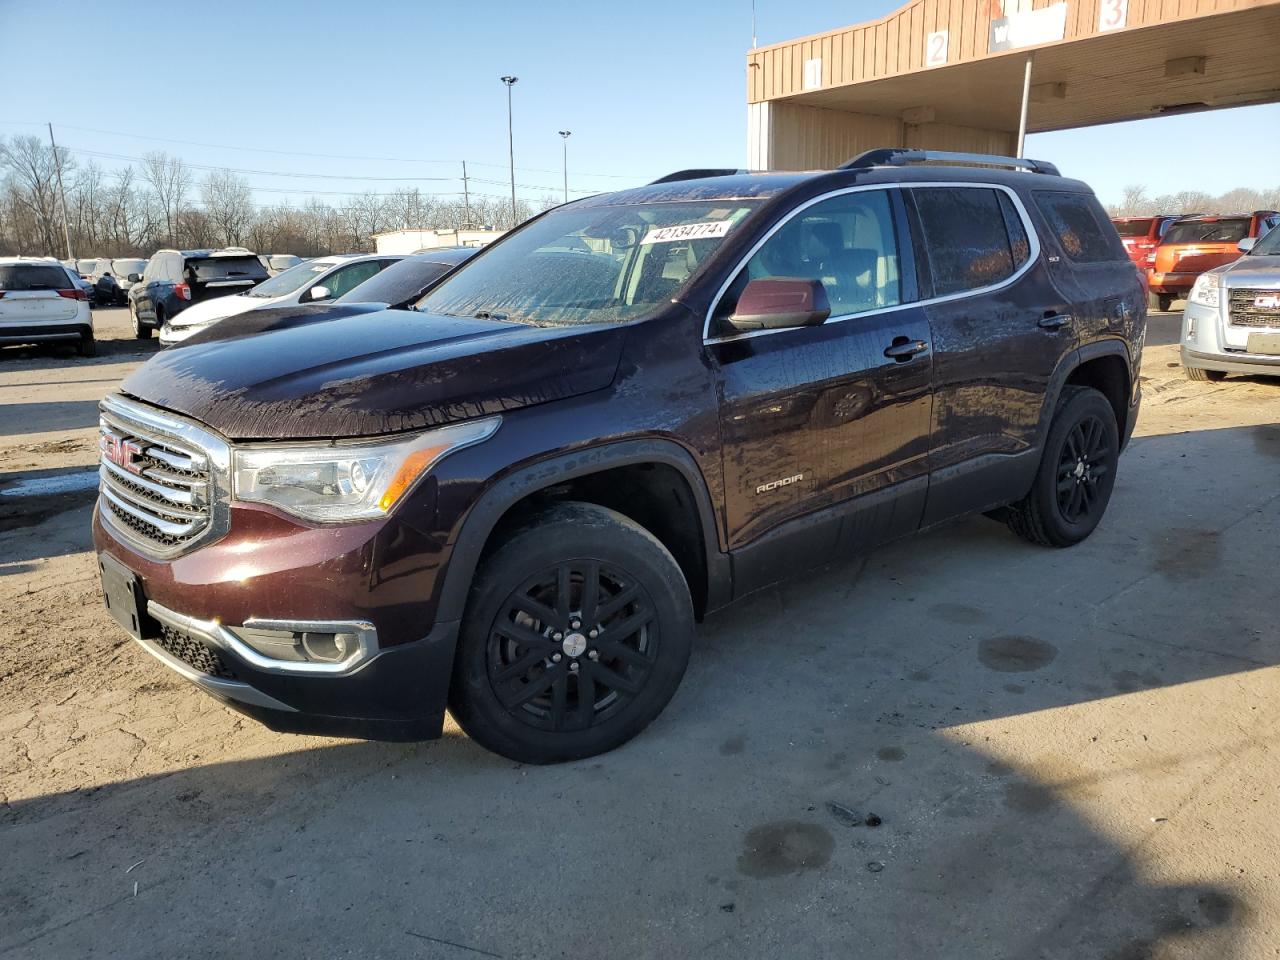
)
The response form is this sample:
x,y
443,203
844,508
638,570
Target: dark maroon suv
x,y
516,498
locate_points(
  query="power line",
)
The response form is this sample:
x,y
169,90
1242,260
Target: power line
x,y
299,153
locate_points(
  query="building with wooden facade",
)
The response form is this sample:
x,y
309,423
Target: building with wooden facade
x,y
958,74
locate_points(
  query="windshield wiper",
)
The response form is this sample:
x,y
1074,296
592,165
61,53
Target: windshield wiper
x,y
489,315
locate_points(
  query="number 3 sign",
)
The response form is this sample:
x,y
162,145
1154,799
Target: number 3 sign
x,y
1112,14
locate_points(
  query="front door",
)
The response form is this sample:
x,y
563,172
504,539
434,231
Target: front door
x,y
825,435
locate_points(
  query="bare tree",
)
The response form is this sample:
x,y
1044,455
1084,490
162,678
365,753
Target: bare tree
x,y
170,179
32,170
1134,202
228,203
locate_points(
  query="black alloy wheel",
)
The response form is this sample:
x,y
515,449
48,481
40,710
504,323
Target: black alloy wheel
x,y
572,646
1084,462
577,632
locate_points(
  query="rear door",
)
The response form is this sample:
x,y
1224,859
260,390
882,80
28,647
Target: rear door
x,y
1001,323
29,294
818,422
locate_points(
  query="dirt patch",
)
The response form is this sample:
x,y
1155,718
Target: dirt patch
x,y
1187,555
784,847
1016,654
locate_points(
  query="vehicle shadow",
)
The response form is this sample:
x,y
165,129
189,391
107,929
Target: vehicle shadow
x,y
938,750
44,514
60,357
47,416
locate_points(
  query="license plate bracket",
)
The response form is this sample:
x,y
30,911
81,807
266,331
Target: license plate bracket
x,y
1264,343
122,593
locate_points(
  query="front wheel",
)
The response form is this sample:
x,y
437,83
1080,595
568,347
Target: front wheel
x,y
577,634
1077,472
140,330
1195,373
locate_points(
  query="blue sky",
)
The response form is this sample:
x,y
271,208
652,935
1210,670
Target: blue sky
x,y
644,87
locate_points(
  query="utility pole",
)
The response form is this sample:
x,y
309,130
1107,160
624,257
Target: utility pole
x,y
57,168
466,197
753,25
564,135
511,147
1022,116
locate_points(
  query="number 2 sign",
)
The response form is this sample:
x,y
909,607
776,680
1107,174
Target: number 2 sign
x,y
935,49
1112,14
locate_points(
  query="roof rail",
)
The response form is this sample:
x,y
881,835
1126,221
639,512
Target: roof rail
x,y
898,157
697,174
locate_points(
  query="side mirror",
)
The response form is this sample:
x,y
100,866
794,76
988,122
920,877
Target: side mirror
x,y
1245,245
135,278
774,303
318,292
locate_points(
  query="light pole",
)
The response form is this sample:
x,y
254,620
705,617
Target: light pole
x,y
511,148
564,134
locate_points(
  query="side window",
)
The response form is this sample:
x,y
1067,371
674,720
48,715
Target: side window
x,y
1077,219
847,243
966,237
344,279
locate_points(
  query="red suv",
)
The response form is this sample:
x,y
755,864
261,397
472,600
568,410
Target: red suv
x,y
1198,243
1141,235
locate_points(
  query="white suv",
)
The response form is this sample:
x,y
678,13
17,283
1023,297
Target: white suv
x,y
41,301
314,281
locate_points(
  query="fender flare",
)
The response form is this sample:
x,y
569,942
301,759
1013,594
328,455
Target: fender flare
x,y
501,496
1070,362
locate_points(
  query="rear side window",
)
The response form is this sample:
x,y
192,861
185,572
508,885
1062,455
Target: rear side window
x,y
966,239
33,276
1132,228
1082,227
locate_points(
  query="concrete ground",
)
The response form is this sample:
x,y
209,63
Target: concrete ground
x,y
960,746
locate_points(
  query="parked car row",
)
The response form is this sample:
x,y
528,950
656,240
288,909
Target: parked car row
x,y
43,301
1174,250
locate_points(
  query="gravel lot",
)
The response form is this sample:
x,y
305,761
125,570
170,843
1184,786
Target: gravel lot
x,y
1071,754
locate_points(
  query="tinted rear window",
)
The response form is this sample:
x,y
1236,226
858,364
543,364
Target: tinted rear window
x,y
397,283
33,276
1082,227
965,237
227,268
1231,230
1132,228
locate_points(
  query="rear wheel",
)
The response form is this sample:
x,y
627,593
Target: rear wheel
x,y
1077,472
140,330
88,346
577,633
1164,301
1195,373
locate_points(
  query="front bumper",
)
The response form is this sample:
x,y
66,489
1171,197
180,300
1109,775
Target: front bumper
x,y
270,569
1216,345
1233,361
170,335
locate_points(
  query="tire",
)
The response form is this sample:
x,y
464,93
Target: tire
x,y
140,330
516,689
1195,373
1077,472
1164,301
88,346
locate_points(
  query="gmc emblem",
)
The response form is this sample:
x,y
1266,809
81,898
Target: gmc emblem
x,y
1267,301
123,453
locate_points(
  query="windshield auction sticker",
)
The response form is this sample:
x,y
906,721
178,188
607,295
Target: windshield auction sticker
x,y
688,231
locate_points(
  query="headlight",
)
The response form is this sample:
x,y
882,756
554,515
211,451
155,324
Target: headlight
x,y
1205,290
347,481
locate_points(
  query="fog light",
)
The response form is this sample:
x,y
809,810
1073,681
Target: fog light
x,y
330,647
1191,327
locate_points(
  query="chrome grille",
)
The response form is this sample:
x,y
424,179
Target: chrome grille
x,y
161,478
1242,310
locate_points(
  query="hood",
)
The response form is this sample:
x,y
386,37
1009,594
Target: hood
x,y
219,308
1252,269
375,373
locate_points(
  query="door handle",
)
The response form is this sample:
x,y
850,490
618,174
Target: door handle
x,y
1054,321
904,348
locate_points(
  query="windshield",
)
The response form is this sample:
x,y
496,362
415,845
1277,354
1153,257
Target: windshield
x,y
1208,231
1268,246
85,266
207,269
604,264
291,280
1132,228
397,283
123,266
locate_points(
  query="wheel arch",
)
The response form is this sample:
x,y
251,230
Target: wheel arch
x,y
1104,365
675,506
